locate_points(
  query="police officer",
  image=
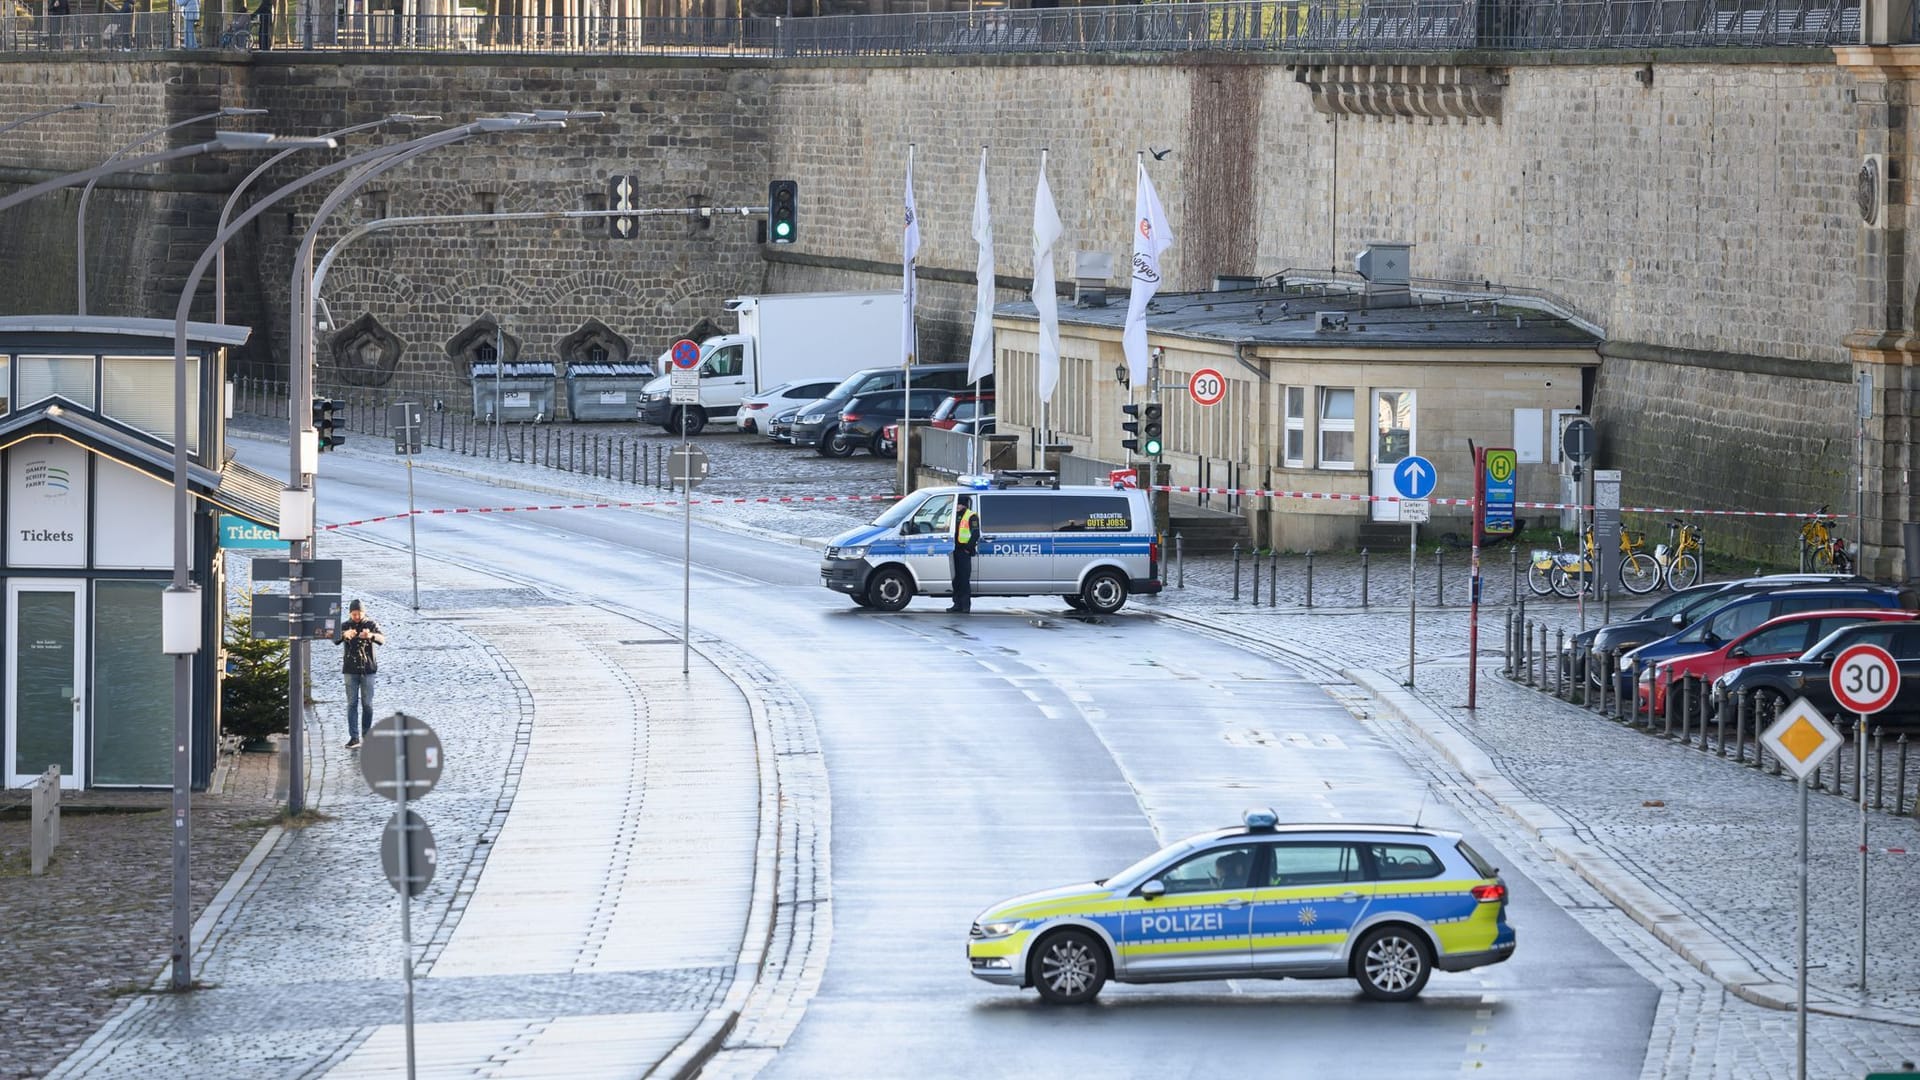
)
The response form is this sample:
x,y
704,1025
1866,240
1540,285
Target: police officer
x,y
966,540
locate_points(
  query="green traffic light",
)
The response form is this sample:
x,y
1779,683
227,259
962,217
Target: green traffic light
x,y
1153,447
782,228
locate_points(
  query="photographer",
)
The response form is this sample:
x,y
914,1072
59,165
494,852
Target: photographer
x,y
359,634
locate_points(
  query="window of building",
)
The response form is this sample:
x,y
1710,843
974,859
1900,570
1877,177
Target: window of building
x,y
138,391
1294,453
1336,428
71,377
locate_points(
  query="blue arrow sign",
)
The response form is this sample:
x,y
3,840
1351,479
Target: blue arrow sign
x,y
1414,478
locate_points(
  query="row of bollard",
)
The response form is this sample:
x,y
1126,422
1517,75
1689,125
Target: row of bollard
x,y
1273,576
1686,716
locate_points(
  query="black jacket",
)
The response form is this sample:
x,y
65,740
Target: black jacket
x,y
358,658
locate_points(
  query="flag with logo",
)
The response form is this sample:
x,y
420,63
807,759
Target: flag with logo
x,y
1151,236
910,249
1046,230
980,359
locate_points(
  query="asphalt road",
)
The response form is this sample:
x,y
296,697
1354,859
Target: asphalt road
x,y
975,758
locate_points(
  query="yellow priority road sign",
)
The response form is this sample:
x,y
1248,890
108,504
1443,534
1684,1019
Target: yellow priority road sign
x,y
1801,738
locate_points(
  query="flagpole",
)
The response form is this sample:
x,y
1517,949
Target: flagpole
x,y
913,346
973,444
1040,438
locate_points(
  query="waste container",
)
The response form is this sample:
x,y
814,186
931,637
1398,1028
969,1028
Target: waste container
x,y
518,391
605,391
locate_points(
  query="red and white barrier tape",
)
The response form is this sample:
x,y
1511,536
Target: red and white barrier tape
x,y
1185,489
609,506
1888,851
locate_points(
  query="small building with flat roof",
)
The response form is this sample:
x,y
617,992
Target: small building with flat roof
x,y
1330,379
86,543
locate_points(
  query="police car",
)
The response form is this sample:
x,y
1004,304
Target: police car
x,y
1384,905
1093,546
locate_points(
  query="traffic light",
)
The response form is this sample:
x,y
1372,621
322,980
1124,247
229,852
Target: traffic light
x,y
1150,427
1132,427
323,424
783,204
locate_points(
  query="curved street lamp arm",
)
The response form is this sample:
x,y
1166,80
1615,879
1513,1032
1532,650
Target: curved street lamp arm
x,y
123,165
70,106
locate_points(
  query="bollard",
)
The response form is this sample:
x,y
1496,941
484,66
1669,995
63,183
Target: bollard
x,y
1525,653
1543,656
1606,604
1506,661
1719,730
1609,687
1256,578
1667,712
1273,577
1180,560
1699,699
1309,577
1236,571
1740,703
1513,578
1560,688
1900,774
1879,769
1363,579
621,473
1439,578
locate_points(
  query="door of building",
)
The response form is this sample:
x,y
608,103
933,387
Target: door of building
x,y
46,667
1392,444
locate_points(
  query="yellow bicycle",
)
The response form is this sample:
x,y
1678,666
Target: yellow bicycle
x,y
1567,573
1679,557
1819,547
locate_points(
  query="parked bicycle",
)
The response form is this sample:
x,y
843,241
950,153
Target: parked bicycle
x,y
1568,573
1679,557
1821,547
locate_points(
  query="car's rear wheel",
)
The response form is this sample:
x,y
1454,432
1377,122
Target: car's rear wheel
x,y
1104,592
890,589
1392,964
1068,967
873,447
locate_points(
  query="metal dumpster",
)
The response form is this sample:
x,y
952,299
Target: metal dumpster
x,y
516,391
605,391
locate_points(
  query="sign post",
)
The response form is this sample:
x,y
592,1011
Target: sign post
x,y
407,420
1492,516
1577,445
1414,478
407,850
1801,740
1865,680
685,390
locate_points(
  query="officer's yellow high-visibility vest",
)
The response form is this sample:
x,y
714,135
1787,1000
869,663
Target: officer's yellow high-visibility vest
x,y
963,532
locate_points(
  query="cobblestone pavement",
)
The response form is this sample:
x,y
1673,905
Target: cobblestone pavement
x,y
303,963
94,928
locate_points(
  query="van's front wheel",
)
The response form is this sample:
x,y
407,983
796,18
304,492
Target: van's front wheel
x,y
890,589
1104,592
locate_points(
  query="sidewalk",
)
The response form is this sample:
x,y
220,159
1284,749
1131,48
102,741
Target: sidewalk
x,y
625,815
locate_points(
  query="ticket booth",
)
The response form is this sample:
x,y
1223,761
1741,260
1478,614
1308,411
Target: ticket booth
x,y
86,543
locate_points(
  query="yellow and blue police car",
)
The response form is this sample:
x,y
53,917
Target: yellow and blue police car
x,y
1381,904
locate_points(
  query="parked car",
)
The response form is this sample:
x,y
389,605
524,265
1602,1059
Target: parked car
x,y
1584,654
962,407
890,435
819,422
780,424
1780,638
757,409
1775,683
862,417
1741,614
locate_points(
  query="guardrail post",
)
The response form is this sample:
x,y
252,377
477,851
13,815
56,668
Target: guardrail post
x,y
1180,560
1309,577
1273,577
1363,578
1236,571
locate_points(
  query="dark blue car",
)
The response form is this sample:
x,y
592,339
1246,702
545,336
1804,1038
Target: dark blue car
x,y
1737,616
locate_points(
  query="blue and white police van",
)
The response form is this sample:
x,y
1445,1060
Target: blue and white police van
x,y
1092,546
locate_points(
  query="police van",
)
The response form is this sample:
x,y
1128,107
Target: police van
x,y
1092,546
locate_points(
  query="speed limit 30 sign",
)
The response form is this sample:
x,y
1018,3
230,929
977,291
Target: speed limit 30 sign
x,y
1207,387
1865,679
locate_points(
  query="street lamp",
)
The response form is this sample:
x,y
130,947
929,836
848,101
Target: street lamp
x,y
180,604
80,235
233,200
222,140
68,107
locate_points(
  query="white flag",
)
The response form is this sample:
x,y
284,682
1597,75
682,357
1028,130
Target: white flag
x,y
980,360
909,249
1046,230
1151,236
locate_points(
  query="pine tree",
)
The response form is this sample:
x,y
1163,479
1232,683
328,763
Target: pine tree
x,y
253,696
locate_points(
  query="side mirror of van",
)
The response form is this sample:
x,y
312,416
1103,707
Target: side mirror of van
x,y
909,528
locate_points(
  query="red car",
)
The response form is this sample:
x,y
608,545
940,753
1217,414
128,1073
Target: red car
x,y
1780,638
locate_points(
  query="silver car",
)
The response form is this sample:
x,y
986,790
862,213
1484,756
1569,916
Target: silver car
x,y
757,409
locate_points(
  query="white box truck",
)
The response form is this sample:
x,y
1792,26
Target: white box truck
x,y
781,338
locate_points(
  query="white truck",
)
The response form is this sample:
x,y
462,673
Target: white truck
x,y
785,337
